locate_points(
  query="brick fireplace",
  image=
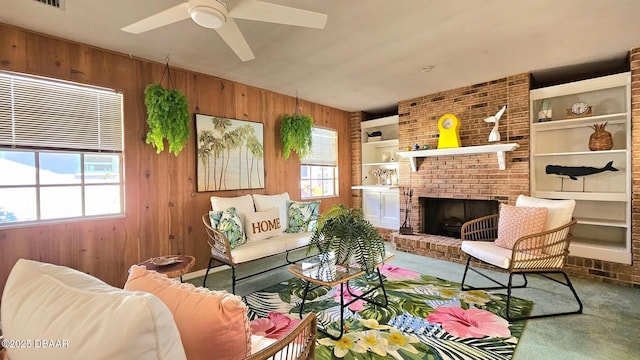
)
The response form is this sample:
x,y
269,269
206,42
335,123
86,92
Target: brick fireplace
x,y
442,216
477,176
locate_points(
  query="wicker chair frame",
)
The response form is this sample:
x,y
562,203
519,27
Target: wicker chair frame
x,y
542,253
299,344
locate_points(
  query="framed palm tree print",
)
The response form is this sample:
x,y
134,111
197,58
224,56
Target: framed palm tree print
x,y
230,154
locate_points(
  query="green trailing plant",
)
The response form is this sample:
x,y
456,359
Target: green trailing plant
x,y
348,235
295,131
167,117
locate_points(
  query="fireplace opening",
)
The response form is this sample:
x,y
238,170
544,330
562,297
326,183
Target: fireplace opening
x,y
445,217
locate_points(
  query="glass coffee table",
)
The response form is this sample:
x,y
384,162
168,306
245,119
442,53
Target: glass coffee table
x,y
320,271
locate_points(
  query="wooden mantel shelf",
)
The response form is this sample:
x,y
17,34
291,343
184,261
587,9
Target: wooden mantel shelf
x,y
499,149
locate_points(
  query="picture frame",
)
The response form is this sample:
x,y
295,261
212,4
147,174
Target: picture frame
x,y
230,154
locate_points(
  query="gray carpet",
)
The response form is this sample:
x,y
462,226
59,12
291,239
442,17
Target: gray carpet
x,y
608,329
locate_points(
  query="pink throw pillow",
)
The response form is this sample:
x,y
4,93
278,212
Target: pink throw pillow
x,y
212,324
516,222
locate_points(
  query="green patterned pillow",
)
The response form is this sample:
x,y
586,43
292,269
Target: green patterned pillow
x,y
303,216
228,222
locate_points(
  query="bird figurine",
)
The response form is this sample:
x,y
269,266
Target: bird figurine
x,y
495,134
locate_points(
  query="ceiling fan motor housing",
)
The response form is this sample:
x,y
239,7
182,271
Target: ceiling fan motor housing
x,y
211,14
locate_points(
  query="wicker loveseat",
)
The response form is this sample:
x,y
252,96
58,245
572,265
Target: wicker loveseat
x,y
280,226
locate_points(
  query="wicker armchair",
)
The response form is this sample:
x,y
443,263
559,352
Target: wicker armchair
x,y
541,253
299,344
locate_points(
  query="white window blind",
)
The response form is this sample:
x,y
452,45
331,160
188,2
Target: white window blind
x,y
323,148
46,114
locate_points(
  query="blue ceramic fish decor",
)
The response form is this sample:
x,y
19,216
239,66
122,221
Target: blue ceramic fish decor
x,y
574,171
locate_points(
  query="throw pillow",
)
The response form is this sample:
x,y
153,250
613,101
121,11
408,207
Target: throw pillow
x,y
90,318
212,324
559,212
303,216
266,202
243,204
263,224
228,222
516,222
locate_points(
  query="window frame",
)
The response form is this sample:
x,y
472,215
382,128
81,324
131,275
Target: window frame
x,y
319,167
106,139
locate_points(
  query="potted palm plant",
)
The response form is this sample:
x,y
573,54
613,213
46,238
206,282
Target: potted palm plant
x,y
345,233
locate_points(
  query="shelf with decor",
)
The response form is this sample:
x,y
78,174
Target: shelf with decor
x,y
380,166
499,149
573,157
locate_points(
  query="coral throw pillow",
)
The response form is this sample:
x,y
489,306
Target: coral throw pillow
x,y
516,222
212,324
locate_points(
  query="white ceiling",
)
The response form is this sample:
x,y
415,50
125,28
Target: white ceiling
x,y
369,55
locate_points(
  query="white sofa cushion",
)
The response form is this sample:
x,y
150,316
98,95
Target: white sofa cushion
x,y
96,321
266,202
560,212
243,204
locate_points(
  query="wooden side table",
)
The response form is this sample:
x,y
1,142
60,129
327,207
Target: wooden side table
x,y
182,265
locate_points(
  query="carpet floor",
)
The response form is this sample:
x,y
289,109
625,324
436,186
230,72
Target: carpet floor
x,y
609,328
426,318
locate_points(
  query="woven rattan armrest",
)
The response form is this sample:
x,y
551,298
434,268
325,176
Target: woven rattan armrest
x,y
543,251
299,344
219,244
481,229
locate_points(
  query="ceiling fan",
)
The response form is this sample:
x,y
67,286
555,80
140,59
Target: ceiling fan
x,y
215,14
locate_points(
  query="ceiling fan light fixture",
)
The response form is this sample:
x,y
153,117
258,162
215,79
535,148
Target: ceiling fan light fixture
x,y
209,14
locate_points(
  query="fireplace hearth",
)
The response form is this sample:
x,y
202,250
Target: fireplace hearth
x,y
443,216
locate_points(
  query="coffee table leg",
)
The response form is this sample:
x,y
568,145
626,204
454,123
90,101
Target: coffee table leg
x,y
304,297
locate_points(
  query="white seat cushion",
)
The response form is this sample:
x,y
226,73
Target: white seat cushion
x,y
488,252
296,240
258,249
90,319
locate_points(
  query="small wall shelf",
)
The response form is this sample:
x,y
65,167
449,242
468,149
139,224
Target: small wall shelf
x,y
499,149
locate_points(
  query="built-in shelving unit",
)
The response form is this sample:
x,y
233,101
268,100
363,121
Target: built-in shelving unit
x,y
499,149
380,195
603,200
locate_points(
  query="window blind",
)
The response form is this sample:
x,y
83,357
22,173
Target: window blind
x,y
45,114
323,148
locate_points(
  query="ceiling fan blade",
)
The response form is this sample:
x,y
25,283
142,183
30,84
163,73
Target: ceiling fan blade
x,y
279,14
166,17
230,33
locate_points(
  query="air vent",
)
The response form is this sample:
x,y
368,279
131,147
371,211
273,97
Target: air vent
x,y
55,3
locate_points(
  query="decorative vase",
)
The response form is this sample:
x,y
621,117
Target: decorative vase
x,y
600,139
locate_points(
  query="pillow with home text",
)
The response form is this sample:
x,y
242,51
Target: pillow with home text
x,y
263,224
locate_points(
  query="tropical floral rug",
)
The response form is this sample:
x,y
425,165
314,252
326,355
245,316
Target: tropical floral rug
x,y
427,318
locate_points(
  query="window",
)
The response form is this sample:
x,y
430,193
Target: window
x,y
319,169
60,151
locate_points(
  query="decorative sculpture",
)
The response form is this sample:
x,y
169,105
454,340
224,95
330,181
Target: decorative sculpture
x,y
574,171
495,134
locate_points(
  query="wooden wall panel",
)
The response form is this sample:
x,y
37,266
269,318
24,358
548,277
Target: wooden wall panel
x,y
163,209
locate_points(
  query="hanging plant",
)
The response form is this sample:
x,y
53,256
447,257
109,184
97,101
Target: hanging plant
x,y
167,117
295,131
